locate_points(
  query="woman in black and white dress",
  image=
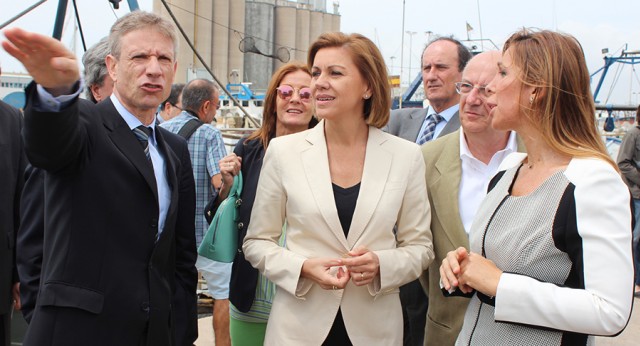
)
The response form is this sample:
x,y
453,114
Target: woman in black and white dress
x,y
550,258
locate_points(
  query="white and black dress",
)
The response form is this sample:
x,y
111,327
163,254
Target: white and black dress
x,y
565,250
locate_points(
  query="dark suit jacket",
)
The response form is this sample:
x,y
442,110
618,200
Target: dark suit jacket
x,y
244,277
12,164
105,280
30,238
406,123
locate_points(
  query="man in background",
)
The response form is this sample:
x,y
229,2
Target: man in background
x,y
98,83
172,106
206,146
459,167
629,163
12,165
443,60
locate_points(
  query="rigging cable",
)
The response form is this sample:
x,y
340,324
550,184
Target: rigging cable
x,y
75,9
615,81
14,18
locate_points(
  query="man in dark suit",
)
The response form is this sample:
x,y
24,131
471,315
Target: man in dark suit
x,y
99,86
443,60
12,164
119,251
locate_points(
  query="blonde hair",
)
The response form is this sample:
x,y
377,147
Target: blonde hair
x,y
562,109
367,57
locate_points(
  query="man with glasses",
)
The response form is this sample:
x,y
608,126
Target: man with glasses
x,y
459,167
172,106
206,147
443,60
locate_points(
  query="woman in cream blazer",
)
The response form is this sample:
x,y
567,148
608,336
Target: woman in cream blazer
x,y
341,187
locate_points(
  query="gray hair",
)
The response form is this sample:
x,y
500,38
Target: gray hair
x,y
138,20
95,68
196,92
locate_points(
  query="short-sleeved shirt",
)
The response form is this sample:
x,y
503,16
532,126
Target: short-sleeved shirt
x,y
206,148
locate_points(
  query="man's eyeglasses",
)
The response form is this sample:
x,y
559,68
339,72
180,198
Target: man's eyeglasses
x,y
465,88
286,92
180,108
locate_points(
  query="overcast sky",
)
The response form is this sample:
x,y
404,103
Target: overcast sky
x,y
597,24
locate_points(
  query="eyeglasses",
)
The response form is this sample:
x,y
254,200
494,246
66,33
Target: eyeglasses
x,y
286,92
465,88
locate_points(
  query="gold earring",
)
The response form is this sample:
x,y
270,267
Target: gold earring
x,y
531,98
366,96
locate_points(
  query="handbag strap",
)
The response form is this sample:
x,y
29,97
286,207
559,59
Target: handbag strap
x,y
236,188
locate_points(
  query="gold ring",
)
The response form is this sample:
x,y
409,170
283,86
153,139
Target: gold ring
x,y
334,288
361,276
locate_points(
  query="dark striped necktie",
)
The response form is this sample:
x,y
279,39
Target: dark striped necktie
x,y
430,129
143,133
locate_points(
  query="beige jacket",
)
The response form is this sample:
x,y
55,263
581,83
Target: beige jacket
x,y
295,185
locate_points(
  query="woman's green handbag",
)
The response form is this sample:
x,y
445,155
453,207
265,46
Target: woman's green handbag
x,y
221,241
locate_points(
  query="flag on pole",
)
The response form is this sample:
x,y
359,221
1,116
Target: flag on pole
x,y
469,27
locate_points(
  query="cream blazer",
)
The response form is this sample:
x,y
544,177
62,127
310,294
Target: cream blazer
x,y
295,185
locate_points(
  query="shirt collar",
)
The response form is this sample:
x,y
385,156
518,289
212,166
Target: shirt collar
x,y
512,146
447,114
129,118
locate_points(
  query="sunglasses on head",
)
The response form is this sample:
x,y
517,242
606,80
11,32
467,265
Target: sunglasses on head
x,y
286,91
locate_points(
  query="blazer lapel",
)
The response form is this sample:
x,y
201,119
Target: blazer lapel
x,y
315,161
377,164
124,139
172,164
417,118
452,125
445,192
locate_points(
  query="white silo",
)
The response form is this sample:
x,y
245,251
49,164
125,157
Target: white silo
x,y
315,26
285,32
220,39
203,26
236,32
260,28
303,16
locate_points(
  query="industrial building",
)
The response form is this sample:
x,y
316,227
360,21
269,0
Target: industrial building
x,y
246,40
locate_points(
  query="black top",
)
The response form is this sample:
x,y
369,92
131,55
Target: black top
x,y
244,278
346,199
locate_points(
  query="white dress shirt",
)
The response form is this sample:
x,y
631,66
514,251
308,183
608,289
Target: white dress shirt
x,y
476,176
159,164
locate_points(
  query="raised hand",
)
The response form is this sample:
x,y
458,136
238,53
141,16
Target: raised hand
x,y
46,59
